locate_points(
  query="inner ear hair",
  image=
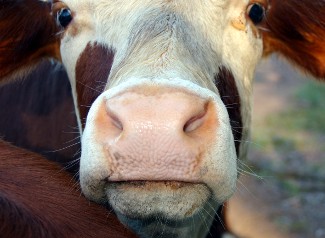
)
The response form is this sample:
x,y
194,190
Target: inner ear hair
x,y
296,30
27,36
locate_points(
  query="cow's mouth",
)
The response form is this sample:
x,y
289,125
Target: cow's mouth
x,y
172,200
150,184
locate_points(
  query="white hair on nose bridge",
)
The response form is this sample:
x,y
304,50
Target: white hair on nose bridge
x,y
161,43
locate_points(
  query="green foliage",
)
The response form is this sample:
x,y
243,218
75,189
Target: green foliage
x,y
296,132
309,113
306,118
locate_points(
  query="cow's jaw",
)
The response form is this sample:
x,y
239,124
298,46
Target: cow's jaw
x,y
159,209
172,46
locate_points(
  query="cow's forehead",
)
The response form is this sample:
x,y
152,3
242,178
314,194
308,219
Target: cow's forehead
x,y
220,25
201,13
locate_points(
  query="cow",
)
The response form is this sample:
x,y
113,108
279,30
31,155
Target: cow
x,y
43,124
39,199
162,92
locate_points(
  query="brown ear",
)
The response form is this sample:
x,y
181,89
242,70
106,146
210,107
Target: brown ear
x,y
27,35
296,29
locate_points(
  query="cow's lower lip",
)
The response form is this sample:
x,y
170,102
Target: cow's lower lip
x,y
174,200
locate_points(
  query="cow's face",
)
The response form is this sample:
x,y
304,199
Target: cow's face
x,y
165,87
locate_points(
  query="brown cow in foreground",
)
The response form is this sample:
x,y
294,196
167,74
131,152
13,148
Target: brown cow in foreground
x,y
39,199
28,123
162,91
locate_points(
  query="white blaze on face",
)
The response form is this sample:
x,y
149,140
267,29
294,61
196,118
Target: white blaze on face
x,y
180,158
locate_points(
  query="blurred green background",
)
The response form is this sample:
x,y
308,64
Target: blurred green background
x,y
286,196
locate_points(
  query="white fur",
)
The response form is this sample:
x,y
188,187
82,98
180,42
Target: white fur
x,y
185,53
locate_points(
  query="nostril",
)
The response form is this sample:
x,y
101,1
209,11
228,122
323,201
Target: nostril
x,y
195,122
114,120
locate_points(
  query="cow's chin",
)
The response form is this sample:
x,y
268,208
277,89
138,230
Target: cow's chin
x,y
151,207
144,199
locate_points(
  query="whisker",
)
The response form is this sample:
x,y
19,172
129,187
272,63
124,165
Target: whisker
x,y
71,132
76,175
216,213
71,164
263,29
87,106
232,96
69,146
247,190
87,86
69,141
204,219
231,104
74,128
59,33
239,132
244,172
252,143
78,152
250,170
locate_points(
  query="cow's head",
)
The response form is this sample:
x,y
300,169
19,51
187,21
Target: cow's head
x,y
162,90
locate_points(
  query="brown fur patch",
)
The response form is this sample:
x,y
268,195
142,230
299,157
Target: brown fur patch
x,y
27,35
39,199
92,71
226,85
296,29
38,114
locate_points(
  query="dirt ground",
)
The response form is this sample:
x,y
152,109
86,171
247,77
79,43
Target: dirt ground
x,y
282,201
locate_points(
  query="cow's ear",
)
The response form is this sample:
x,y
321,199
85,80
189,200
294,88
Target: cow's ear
x,y
27,35
296,29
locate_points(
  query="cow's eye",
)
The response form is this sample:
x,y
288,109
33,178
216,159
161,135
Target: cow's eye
x,y
256,12
64,17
